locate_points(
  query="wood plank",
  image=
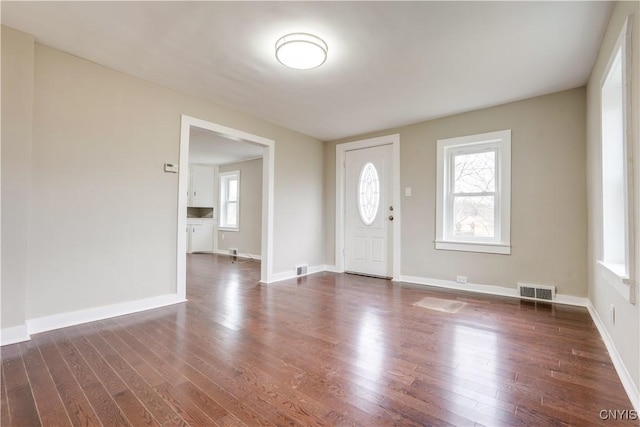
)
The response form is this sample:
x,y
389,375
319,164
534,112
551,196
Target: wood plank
x,y
135,411
73,396
106,408
51,408
133,380
4,402
19,399
330,349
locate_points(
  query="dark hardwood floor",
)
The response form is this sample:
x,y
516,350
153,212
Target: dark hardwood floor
x,y
328,349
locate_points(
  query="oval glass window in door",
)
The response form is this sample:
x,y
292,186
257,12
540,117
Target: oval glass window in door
x,y
368,193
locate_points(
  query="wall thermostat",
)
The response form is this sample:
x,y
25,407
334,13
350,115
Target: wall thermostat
x,y
171,167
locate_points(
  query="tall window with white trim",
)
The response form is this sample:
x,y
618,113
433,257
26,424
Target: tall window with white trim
x,y
617,175
474,193
230,200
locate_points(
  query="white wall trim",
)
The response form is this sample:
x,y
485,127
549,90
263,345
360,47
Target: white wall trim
x,y
341,149
620,283
240,255
268,171
286,275
489,290
63,320
621,369
14,334
332,269
498,141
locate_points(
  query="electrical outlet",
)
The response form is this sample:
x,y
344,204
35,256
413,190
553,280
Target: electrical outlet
x,y
461,279
222,235
613,314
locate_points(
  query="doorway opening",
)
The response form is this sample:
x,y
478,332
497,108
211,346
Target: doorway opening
x,y
234,140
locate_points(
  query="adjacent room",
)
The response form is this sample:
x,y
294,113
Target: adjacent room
x,y
320,213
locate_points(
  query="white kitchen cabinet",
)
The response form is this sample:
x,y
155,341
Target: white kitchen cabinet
x,y
200,236
201,186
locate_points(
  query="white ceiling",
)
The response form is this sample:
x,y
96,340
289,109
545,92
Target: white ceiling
x,y
389,64
212,148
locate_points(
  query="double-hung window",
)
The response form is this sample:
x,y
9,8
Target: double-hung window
x,y
230,200
474,193
617,256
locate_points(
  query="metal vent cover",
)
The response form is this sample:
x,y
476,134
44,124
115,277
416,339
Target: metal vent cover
x,y
545,294
301,270
527,291
539,292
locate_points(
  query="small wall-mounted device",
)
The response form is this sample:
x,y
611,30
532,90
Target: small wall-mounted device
x,y
171,167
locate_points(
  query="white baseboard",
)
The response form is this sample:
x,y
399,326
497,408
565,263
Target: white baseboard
x,y
62,320
621,369
333,269
14,334
240,255
285,275
488,289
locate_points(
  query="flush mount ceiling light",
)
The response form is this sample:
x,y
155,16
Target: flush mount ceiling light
x,y
301,51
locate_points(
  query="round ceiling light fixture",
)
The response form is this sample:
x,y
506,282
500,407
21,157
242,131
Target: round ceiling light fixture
x,y
301,51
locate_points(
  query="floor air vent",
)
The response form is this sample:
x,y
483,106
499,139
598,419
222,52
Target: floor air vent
x,y
541,292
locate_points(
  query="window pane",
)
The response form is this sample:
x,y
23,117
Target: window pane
x,y
368,194
475,172
473,216
233,190
232,214
613,167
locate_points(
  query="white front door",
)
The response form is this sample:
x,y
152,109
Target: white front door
x,y
368,211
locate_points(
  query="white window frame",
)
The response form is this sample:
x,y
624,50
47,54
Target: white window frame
x,y
224,178
500,142
620,275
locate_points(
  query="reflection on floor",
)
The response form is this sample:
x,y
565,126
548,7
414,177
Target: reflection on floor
x,y
328,349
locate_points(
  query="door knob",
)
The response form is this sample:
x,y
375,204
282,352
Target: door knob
x,y
390,217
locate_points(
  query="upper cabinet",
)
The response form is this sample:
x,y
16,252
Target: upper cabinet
x,y
201,186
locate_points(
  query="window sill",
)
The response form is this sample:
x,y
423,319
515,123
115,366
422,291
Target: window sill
x,y
616,277
489,248
228,229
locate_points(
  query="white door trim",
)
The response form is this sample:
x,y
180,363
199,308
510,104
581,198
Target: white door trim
x,y
341,149
266,272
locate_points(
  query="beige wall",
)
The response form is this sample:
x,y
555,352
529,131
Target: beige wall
x,y
548,214
17,116
104,214
625,333
249,236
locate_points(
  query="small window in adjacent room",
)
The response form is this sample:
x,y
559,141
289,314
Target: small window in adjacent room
x,y
230,200
617,183
474,193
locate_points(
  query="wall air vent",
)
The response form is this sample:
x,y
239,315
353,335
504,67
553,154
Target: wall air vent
x,y
301,270
539,292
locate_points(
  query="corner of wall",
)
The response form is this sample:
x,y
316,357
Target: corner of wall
x,y
17,130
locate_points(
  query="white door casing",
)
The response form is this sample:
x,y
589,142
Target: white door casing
x,y
369,211
266,269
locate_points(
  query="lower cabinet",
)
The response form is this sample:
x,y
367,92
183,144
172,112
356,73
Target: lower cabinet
x,y
200,237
